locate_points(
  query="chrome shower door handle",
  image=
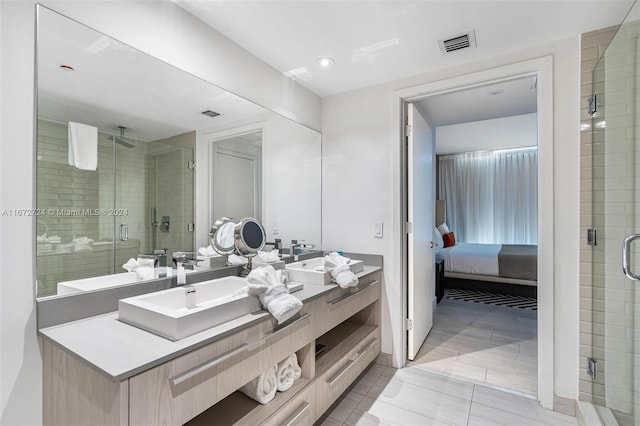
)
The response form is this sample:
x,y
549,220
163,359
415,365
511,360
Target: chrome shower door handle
x,y
124,232
626,257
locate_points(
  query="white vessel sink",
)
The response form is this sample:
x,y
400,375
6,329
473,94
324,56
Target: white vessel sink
x,y
96,283
313,271
113,280
165,312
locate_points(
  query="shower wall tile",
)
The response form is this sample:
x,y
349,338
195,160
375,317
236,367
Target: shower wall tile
x,y
69,197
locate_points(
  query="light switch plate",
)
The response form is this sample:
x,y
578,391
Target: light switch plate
x,y
378,229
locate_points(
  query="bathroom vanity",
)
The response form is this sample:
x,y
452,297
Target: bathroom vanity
x,y
101,371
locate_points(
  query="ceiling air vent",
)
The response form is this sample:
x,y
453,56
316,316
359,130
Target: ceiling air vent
x,y
458,42
210,113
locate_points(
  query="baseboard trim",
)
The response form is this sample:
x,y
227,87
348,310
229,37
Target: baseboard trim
x,y
564,405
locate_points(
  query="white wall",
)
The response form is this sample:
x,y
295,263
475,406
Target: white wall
x,y
161,29
361,152
518,131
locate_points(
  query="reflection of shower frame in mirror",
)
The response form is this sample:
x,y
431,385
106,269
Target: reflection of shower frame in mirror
x,y
137,101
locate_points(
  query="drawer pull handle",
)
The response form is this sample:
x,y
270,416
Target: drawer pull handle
x,y
273,333
227,355
207,365
348,365
302,410
348,295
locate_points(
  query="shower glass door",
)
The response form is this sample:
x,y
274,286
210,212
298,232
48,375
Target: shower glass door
x,y
616,215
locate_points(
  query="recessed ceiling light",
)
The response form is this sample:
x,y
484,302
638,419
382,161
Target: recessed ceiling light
x,y
496,92
66,67
325,62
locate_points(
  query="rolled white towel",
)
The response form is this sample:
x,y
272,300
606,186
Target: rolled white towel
x,y
264,387
82,244
340,270
268,256
145,263
131,265
145,272
267,283
234,259
288,372
207,251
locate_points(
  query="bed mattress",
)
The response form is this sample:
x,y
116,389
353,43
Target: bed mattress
x,y
500,260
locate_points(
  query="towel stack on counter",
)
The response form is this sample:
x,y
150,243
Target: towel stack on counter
x,y
340,270
142,267
278,378
207,252
269,285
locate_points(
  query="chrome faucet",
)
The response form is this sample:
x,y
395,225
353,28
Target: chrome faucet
x,y
293,250
180,257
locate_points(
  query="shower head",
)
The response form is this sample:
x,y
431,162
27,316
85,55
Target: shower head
x,y
120,140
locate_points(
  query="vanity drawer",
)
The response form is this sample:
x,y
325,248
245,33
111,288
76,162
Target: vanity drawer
x,y
341,304
281,340
299,410
177,391
331,384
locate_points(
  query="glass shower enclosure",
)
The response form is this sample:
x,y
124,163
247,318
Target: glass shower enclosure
x,y
614,366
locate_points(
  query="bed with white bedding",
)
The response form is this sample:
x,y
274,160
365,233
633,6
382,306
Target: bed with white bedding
x,y
498,263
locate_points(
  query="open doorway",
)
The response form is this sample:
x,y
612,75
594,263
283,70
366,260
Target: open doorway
x,y
485,234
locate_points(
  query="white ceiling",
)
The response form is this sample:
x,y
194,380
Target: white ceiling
x,y
380,41
513,97
371,42
115,85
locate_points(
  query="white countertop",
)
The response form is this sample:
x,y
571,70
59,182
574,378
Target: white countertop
x,y
120,350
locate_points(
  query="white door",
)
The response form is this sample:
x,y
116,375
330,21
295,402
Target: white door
x,y
235,186
421,211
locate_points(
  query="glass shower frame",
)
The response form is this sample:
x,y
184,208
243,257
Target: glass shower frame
x,y
615,314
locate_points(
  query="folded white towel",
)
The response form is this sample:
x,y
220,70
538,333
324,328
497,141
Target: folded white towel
x,y
288,372
268,256
264,387
83,146
82,244
207,251
133,264
145,263
145,272
130,265
267,283
234,259
340,271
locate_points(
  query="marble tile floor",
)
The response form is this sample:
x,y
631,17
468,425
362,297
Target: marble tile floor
x,y
486,344
414,396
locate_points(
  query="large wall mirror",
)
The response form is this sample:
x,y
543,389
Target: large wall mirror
x,y
135,155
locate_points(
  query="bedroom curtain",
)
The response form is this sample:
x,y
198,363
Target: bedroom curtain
x,y
491,197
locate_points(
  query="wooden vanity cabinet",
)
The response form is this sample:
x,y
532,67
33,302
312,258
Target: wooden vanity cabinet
x,y
200,387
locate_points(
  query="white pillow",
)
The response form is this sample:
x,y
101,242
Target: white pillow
x,y
444,229
437,238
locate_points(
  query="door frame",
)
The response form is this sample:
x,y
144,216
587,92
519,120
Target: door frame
x,y
543,69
